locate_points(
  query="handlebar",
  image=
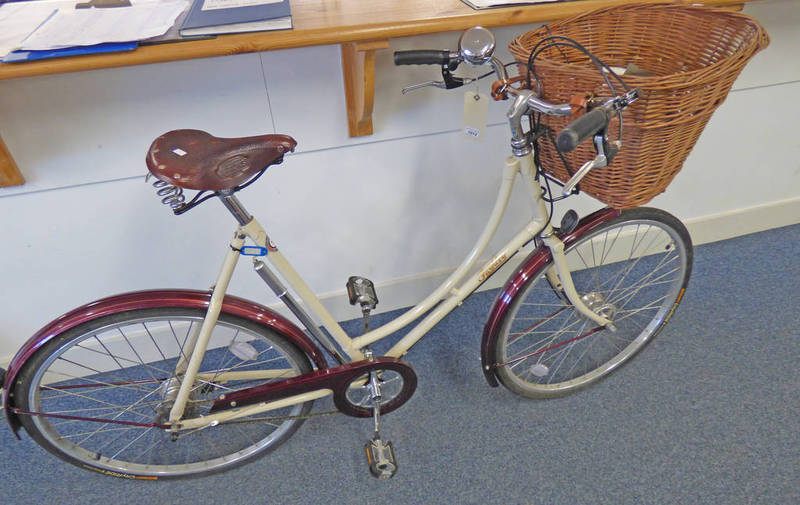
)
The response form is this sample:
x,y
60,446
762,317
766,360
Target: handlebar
x,y
476,47
450,60
425,57
582,128
593,122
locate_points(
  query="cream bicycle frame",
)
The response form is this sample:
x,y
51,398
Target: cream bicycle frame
x,y
448,296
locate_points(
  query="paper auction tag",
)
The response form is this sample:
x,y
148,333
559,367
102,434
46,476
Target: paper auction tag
x,y
476,112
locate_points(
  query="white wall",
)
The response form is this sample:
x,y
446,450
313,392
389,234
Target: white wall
x,y
391,206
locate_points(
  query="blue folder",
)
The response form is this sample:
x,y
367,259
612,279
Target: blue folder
x,y
108,47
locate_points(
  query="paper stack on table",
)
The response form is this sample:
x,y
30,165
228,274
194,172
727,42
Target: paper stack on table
x,y
47,24
86,27
20,19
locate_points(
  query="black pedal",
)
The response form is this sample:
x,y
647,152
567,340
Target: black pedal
x,y
569,222
381,460
362,291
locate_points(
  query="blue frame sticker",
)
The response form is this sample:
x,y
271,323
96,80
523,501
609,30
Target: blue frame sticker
x,y
253,250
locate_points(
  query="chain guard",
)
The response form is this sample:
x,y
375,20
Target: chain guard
x,y
337,379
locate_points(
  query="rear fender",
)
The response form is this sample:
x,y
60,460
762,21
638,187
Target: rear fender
x,y
146,300
535,260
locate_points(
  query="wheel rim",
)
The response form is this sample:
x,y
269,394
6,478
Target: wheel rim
x,y
633,273
121,371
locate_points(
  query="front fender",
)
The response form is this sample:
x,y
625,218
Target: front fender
x,y
152,299
535,260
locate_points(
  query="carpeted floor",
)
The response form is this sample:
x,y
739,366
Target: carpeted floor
x,y
708,414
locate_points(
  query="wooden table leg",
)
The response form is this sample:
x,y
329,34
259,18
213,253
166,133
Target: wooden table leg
x,y
358,67
9,173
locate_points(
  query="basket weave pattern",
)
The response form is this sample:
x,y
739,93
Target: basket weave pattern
x,y
692,55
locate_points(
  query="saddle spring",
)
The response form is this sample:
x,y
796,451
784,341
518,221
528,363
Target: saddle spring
x,y
170,195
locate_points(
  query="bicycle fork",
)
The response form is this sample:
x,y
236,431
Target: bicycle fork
x,y
561,280
561,277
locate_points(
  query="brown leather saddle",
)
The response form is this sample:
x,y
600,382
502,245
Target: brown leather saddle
x,y
194,159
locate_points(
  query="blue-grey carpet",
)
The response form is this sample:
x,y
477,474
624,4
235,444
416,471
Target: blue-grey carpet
x,y
709,413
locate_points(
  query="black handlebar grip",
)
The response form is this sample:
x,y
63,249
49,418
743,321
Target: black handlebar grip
x,y
581,129
422,57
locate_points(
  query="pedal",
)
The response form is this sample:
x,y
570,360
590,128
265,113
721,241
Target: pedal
x,y
361,291
381,459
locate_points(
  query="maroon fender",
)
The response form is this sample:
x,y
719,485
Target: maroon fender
x,y
152,299
536,260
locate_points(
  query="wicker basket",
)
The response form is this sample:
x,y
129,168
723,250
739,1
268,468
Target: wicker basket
x,y
692,56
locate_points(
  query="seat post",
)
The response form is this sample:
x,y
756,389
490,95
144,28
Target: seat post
x,y
235,207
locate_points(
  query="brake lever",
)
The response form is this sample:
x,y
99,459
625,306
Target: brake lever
x,y
450,81
599,161
605,153
435,84
439,84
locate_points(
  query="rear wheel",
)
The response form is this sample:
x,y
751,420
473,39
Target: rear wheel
x,y
632,270
121,368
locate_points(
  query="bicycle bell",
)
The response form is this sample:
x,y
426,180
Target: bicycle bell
x,y
476,45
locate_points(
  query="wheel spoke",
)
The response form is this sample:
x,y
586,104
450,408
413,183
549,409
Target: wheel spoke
x,y
111,428
535,347
123,411
132,385
145,432
97,400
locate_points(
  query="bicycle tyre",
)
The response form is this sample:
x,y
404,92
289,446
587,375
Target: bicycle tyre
x,y
121,366
633,269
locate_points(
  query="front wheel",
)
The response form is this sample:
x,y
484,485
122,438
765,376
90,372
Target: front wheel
x,y
632,270
121,369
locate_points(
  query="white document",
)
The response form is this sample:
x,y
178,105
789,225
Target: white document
x,y
87,27
20,19
210,5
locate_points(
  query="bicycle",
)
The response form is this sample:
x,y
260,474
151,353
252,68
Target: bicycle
x,y
175,383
